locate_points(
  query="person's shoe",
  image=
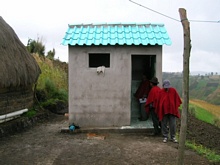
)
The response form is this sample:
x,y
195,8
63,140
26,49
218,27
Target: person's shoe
x,y
165,140
174,140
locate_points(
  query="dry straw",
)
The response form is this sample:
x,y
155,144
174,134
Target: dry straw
x,y
17,66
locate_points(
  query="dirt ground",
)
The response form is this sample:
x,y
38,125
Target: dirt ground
x,y
203,133
44,144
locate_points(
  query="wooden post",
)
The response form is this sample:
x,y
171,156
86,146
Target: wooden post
x,y
185,95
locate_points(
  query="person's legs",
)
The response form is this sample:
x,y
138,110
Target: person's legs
x,y
165,130
143,113
155,121
172,126
139,111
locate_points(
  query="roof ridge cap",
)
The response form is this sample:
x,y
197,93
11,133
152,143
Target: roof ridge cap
x,y
115,24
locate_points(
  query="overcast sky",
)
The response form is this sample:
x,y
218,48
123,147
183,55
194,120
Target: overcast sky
x,y
49,21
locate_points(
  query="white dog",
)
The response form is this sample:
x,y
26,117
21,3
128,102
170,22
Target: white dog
x,y
101,69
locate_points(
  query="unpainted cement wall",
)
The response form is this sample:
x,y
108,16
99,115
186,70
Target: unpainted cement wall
x,y
104,100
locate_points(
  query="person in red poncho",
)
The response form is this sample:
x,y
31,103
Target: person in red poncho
x,y
151,103
167,110
141,95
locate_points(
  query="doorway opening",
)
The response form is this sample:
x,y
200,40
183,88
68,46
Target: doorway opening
x,y
141,64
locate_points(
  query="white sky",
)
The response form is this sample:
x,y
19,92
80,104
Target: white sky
x,y
49,21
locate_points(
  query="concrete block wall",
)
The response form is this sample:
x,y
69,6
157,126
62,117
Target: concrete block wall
x,y
103,100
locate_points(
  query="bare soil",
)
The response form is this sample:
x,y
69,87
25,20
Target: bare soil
x,y
203,133
44,144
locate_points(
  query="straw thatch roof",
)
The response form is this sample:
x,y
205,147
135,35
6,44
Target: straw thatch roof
x,y
17,65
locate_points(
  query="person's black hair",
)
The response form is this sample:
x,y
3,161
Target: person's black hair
x,y
154,83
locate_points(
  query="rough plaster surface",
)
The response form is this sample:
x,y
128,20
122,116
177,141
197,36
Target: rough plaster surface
x,y
104,100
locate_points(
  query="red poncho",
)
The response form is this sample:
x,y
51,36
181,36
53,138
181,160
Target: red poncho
x,y
168,103
143,89
152,98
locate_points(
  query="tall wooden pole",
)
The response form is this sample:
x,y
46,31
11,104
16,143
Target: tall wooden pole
x,y
185,95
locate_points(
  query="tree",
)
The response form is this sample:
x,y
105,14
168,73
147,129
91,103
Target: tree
x,y
51,54
36,47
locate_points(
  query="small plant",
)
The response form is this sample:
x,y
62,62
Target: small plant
x,y
30,113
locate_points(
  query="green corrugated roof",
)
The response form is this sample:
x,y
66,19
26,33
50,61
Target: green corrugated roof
x,y
116,34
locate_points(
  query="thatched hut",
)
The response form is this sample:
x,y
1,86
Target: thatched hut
x,y
18,72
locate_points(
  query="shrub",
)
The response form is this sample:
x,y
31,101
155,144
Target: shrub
x,y
55,105
50,87
30,113
52,90
52,97
51,73
36,47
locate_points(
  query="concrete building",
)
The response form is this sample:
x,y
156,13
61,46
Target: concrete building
x,y
106,62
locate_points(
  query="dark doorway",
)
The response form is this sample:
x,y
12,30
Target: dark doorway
x,y
141,64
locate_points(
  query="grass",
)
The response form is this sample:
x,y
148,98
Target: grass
x,y
214,109
202,114
57,75
209,154
30,113
208,113
52,84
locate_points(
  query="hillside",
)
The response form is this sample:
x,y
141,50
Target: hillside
x,y
54,70
214,109
202,87
52,84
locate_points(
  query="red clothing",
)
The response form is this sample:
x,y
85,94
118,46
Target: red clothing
x,y
168,103
152,97
143,89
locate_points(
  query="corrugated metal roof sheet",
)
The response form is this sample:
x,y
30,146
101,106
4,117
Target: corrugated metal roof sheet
x,y
116,34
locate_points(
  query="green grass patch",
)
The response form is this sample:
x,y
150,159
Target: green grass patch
x,y
30,113
209,154
202,114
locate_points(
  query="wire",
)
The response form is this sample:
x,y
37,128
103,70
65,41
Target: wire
x,y
172,17
154,11
204,21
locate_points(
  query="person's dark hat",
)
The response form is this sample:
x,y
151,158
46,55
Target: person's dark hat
x,y
166,84
154,80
